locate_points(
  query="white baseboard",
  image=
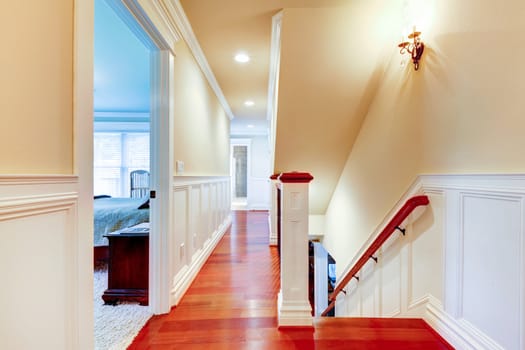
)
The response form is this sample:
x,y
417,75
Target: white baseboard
x,y
294,313
258,206
459,334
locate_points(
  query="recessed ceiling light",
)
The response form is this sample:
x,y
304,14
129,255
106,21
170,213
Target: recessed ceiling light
x,y
242,57
249,103
250,126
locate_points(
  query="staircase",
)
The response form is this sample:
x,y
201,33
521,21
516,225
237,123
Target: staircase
x,y
232,304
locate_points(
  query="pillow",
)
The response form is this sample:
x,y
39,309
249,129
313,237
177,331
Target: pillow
x,y
144,205
102,196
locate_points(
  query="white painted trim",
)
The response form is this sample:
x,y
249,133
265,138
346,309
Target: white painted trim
x,y
273,235
178,17
273,83
458,334
187,180
187,274
120,115
293,313
161,151
125,14
154,23
248,133
258,206
122,127
293,308
502,183
275,59
83,53
272,218
24,179
17,207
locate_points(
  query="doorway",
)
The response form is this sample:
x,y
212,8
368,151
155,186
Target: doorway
x,y
158,123
122,117
239,171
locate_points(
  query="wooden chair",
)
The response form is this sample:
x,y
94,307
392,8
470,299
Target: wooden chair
x,y
139,183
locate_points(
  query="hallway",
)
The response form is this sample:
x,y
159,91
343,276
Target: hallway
x,y
232,304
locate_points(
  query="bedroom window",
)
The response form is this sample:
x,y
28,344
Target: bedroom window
x,y
115,155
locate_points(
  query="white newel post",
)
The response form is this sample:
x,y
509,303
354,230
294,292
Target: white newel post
x,y
293,306
273,209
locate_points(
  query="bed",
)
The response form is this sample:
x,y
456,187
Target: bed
x,y
112,214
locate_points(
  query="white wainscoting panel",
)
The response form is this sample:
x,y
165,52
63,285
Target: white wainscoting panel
x,y
490,266
389,271
425,254
201,216
180,228
38,262
461,265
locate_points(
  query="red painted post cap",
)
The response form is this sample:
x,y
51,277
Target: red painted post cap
x,y
296,177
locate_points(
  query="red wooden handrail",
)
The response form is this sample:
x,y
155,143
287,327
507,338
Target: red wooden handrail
x,y
400,216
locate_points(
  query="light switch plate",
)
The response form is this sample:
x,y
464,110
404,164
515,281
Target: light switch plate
x,y
180,167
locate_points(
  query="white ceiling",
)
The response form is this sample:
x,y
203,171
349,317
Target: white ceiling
x,y
224,28
121,65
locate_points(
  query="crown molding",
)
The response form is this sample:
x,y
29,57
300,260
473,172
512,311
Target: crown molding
x,y
148,21
178,16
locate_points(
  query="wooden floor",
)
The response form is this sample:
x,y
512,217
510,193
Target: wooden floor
x,y
232,305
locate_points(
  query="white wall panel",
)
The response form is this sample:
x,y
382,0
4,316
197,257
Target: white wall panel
x,y
205,211
425,253
180,226
368,289
200,219
38,263
195,212
390,280
491,268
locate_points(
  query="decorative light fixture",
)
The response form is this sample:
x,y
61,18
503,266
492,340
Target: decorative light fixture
x,y
242,57
414,48
249,103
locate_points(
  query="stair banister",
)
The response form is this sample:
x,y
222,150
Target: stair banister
x,y
393,225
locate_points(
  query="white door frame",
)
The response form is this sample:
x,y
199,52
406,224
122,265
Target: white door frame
x,y
138,16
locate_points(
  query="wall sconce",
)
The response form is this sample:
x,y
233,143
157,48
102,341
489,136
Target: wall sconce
x,y
414,48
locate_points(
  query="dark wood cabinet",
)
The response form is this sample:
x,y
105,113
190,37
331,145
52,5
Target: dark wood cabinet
x,y
128,265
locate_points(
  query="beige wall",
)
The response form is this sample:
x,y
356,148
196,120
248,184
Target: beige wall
x,y
36,88
462,112
202,127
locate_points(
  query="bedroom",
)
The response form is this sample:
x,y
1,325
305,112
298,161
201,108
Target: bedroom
x,y
121,168
121,123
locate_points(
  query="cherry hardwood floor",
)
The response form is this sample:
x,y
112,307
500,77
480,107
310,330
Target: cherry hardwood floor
x,y
232,304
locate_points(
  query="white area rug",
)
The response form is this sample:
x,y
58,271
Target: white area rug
x,y
115,326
